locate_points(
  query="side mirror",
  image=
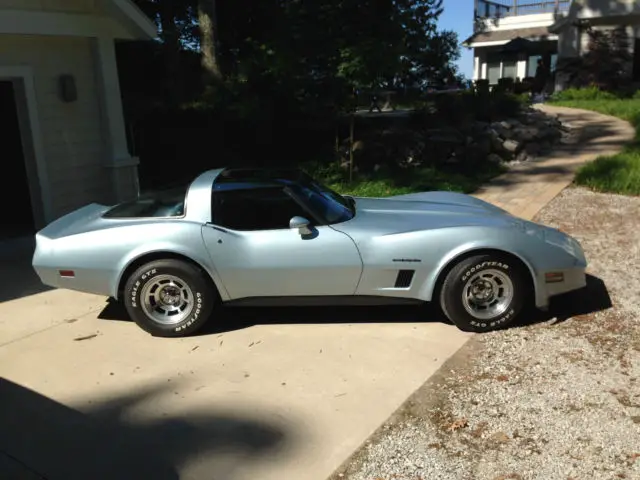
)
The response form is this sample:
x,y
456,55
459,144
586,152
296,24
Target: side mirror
x,y
302,224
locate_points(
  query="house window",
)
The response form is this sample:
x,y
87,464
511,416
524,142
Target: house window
x,y
493,72
510,69
532,63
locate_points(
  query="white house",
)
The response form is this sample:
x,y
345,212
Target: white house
x,y
63,134
511,35
502,24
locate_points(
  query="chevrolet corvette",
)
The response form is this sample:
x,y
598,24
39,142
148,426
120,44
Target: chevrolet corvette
x,y
239,236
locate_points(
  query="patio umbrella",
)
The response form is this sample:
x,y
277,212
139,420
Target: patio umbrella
x,y
517,45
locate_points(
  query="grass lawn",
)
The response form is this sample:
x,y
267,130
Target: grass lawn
x,y
415,180
619,173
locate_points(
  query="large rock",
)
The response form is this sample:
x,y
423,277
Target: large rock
x,y
501,130
494,158
445,135
527,134
512,146
483,146
532,148
495,140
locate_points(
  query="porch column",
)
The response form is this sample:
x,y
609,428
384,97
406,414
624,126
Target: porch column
x,y
479,64
522,66
123,167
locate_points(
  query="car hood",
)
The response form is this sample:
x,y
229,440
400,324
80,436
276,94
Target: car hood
x,y
421,211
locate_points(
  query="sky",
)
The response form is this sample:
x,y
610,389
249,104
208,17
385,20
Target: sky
x,y
458,16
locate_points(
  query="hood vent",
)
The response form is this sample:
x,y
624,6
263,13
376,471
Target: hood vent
x,y
404,278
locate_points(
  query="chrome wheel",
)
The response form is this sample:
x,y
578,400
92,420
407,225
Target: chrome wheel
x,y
167,299
487,294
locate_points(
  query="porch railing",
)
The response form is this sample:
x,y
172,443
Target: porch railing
x,y
511,8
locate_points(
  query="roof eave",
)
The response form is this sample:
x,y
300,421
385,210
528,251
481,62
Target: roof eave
x,y
559,25
141,27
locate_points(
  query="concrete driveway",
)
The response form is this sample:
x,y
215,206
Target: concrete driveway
x,y
262,393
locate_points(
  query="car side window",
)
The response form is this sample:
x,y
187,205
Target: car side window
x,y
255,209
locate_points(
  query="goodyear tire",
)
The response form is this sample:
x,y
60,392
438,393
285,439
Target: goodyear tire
x,y
484,293
169,298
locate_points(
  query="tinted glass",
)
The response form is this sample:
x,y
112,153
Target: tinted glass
x,y
255,209
322,203
319,204
165,203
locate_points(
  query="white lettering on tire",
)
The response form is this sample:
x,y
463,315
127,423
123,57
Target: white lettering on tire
x,y
136,286
482,265
494,323
194,317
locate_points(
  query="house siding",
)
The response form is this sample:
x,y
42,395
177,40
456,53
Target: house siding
x,y
632,33
72,134
607,8
63,6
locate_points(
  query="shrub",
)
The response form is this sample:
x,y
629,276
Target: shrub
x,y
506,84
525,86
479,105
482,86
605,64
589,93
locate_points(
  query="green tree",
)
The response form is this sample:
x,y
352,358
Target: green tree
x,y
605,64
209,43
176,29
313,51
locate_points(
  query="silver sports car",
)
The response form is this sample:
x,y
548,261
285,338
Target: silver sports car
x,y
258,236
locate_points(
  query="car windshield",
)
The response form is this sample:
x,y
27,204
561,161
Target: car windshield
x,y
161,203
324,202
328,193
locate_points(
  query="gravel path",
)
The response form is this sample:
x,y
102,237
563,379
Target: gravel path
x,y
558,399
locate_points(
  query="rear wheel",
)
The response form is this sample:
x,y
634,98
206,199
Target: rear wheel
x,y
484,292
169,298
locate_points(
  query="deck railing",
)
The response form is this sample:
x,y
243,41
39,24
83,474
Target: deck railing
x,y
511,8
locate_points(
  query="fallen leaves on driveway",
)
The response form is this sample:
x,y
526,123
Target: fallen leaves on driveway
x,y
458,424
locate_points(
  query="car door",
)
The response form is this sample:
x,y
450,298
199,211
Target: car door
x,y
258,255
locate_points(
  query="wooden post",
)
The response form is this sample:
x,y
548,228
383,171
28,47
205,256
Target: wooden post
x,y
515,7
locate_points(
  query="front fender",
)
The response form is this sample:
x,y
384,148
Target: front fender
x,y
533,252
427,289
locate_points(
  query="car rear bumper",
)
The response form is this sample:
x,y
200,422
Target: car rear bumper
x,y
54,274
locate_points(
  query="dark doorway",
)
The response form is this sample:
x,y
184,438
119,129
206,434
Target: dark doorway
x,y
17,211
636,60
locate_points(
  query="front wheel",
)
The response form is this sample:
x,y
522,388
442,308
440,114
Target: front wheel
x,y
169,298
484,292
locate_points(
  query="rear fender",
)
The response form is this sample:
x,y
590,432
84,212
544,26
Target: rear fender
x,y
154,252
